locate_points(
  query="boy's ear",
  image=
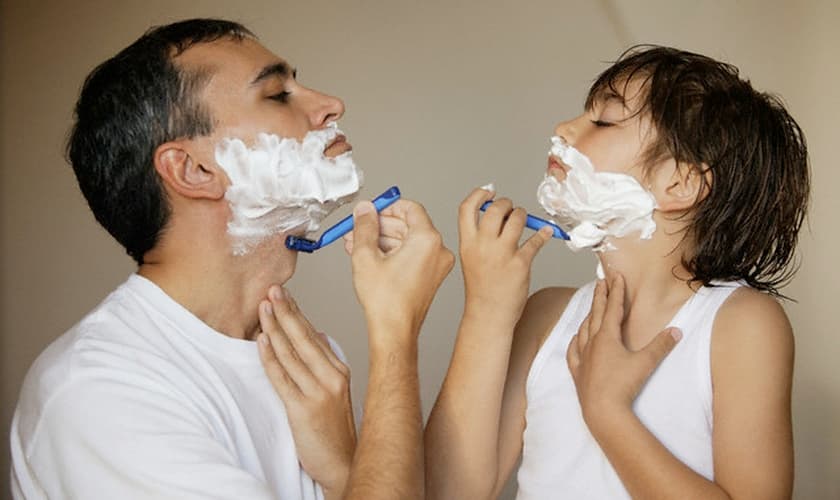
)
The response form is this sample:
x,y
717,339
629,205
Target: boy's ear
x,y
680,186
182,173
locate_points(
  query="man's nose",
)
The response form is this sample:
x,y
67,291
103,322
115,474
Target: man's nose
x,y
324,109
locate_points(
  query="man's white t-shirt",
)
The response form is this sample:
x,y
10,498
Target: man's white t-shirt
x,y
142,399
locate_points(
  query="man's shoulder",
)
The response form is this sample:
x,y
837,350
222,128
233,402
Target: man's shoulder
x,y
102,346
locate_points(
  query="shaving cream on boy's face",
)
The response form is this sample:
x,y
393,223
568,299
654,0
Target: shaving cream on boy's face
x,y
594,205
280,184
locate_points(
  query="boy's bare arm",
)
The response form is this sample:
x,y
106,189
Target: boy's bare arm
x,y
753,451
752,372
467,426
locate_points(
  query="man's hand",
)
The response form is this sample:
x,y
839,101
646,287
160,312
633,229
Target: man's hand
x,y
607,375
315,388
397,273
497,270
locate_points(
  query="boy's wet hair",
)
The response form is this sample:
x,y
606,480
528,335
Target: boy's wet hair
x,y
706,116
128,106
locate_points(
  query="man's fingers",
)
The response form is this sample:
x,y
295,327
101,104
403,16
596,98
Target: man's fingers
x,y
281,381
599,305
468,211
411,213
302,335
653,353
365,227
284,351
584,331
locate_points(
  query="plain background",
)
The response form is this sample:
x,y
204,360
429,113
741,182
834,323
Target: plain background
x,y
442,96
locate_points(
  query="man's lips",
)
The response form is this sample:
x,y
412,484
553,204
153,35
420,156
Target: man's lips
x,y
338,146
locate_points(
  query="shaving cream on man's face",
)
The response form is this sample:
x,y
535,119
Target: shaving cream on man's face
x,y
594,205
280,184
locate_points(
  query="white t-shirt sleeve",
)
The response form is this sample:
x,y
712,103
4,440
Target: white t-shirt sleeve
x,y
104,438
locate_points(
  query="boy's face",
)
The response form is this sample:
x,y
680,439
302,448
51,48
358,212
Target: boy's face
x,y
252,91
611,134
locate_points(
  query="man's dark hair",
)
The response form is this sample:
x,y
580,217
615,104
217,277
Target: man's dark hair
x,y
746,228
128,106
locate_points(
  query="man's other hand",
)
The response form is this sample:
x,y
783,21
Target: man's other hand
x,y
315,388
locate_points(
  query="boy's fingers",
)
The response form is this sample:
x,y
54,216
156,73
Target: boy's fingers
x,y
535,243
614,312
513,225
468,211
573,355
659,347
599,304
495,216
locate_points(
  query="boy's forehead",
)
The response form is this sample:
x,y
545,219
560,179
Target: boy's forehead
x,y
626,91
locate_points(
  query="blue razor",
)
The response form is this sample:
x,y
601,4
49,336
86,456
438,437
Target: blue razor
x,y
535,223
343,227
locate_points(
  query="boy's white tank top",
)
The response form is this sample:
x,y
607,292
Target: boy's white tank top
x,y
561,459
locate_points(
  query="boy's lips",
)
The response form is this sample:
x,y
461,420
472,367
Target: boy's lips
x,y
338,146
557,168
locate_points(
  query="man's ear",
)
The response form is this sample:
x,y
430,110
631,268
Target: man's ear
x,y
680,186
182,173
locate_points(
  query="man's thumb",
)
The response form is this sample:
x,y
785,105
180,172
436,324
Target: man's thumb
x,y
365,226
661,345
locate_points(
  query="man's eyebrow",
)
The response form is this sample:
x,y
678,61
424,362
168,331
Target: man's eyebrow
x,y
281,69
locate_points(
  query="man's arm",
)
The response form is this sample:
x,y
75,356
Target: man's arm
x,y
395,288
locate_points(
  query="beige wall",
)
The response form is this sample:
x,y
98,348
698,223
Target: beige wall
x,y
442,96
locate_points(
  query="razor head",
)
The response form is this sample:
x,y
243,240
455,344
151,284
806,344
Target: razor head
x,y
302,244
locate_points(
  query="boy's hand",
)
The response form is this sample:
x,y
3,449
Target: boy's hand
x,y
315,388
497,270
396,274
607,375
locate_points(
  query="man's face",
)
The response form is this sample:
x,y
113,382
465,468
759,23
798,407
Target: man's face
x,y
253,91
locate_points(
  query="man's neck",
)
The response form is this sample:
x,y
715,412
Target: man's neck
x,y
221,289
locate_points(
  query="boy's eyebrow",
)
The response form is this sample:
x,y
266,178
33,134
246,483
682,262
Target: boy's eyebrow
x,y
606,95
281,69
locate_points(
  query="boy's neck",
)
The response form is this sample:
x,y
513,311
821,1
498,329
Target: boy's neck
x,y
653,270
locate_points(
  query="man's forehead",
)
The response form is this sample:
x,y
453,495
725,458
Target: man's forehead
x,y
246,60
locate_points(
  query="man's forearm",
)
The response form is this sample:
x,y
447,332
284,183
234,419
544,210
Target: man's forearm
x,y
389,457
461,437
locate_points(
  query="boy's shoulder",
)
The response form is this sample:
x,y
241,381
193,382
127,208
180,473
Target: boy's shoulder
x,y
543,311
748,312
750,332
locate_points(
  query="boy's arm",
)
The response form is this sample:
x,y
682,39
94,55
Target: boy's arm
x,y
467,426
753,450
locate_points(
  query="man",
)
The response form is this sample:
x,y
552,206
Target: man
x,y
161,391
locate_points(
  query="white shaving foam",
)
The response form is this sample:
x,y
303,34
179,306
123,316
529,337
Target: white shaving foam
x,y
280,184
594,205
